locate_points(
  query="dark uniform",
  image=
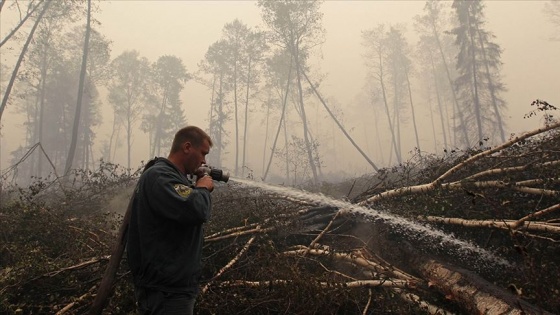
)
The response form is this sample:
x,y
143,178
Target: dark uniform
x,y
165,238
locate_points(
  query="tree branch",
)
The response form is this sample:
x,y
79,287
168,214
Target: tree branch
x,y
437,182
226,267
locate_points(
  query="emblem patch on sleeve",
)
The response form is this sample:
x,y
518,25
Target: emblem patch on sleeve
x,y
182,190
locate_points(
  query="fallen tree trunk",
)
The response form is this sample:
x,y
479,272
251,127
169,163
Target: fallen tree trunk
x,y
475,294
538,226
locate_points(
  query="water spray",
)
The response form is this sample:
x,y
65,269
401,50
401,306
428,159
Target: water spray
x,y
421,230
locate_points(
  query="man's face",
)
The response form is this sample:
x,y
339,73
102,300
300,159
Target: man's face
x,y
195,156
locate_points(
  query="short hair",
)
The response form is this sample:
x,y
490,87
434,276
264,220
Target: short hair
x,y
190,133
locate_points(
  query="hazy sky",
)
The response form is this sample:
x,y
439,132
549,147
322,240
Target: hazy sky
x,y
187,28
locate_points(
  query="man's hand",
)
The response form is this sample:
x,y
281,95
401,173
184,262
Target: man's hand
x,y
206,182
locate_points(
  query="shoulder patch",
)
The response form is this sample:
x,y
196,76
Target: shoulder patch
x,y
182,190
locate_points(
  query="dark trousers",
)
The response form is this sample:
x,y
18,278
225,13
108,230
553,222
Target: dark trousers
x,y
152,302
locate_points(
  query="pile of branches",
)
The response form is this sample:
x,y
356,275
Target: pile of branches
x,y
275,250
291,253
55,235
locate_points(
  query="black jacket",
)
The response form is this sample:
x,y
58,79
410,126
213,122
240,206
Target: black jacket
x,y
165,232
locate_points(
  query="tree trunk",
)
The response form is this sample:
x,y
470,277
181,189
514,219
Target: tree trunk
x,y
282,118
42,108
441,113
243,165
128,138
492,90
472,292
266,130
75,129
304,117
397,116
451,86
211,122
476,98
339,124
159,122
286,149
219,122
413,115
236,170
393,142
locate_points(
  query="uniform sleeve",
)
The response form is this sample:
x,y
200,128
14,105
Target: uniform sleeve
x,y
174,200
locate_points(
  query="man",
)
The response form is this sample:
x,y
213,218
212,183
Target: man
x,y
165,233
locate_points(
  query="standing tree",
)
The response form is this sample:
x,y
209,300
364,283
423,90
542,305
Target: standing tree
x,y
296,26
234,59
279,78
375,42
235,35
165,115
96,74
398,61
216,64
432,88
479,82
77,113
130,79
255,47
431,28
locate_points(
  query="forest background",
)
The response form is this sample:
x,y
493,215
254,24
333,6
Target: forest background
x,y
339,63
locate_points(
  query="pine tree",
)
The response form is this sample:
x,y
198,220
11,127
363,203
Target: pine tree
x,y
479,82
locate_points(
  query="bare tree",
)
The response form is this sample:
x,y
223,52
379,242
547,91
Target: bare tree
x,y
375,42
296,26
127,91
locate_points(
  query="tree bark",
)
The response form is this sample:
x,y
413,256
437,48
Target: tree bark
x,y
475,294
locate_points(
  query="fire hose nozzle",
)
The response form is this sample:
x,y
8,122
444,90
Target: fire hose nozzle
x,y
215,173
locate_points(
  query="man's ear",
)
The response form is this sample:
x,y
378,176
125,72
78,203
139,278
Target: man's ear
x,y
187,146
